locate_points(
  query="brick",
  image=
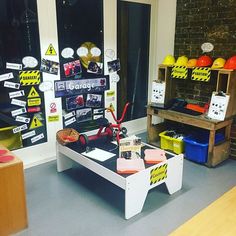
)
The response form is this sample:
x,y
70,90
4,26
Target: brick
x,y
215,18
199,21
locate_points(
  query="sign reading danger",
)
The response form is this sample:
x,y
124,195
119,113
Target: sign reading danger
x,y
30,77
158,174
179,72
201,74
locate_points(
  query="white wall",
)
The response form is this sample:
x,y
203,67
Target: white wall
x,y
162,41
165,28
48,35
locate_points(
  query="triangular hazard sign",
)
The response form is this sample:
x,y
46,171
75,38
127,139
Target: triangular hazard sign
x,y
33,93
35,123
51,51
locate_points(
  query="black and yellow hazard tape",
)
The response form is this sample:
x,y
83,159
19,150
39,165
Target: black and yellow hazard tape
x,y
158,174
179,72
201,74
31,77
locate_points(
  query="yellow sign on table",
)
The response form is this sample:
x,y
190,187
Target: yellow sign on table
x,y
158,174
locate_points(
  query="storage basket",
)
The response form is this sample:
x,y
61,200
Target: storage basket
x,y
67,135
173,144
196,146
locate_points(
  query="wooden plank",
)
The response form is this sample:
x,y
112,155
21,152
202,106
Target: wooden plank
x,y
232,92
186,119
211,146
220,153
217,219
153,132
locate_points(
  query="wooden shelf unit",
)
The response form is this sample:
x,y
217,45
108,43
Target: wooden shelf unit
x,y
224,80
216,153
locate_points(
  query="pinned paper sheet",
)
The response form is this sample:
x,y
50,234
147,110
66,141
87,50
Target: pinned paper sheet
x,y
158,92
218,106
99,154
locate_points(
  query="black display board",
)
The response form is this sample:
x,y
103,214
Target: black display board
x,y
80,36
22,115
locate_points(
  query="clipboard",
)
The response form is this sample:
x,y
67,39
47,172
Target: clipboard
x,y
218,106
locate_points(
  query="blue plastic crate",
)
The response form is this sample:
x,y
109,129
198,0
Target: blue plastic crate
x,y
196,146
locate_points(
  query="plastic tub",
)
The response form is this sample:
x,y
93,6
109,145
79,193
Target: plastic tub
x,y
173,144
196,146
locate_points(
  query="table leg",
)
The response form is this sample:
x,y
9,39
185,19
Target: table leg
x,y
63,162
211,147
174,174
135,194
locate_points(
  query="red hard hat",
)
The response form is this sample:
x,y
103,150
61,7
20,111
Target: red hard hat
x,y
231,63
203,61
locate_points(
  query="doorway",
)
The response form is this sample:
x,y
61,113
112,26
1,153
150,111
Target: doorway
x,y
133,33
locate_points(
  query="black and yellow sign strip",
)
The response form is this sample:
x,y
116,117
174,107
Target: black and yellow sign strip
x,y
158,174
179,72
30,77
201,74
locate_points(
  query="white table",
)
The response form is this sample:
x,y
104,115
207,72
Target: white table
x,y
136,185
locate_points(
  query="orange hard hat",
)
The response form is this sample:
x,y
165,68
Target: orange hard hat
x,y
192,62
204,61
231,63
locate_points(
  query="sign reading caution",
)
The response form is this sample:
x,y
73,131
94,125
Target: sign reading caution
x,y
179,72
201,74
30,77
158,174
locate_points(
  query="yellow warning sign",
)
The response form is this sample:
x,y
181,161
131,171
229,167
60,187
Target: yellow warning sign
x,y
51,51
33,93
53,118
110,93
34,102
201,74
30,77
35,123
179,72
158,174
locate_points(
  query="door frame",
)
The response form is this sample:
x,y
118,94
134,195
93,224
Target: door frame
x,y
140,125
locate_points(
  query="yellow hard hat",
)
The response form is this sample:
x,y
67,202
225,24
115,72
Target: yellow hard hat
x,y
181,61
169,60
218,63
192,62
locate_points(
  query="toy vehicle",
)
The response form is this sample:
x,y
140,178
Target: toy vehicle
x,y
107,129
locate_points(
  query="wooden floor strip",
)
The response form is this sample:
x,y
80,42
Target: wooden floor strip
x,y
218,219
